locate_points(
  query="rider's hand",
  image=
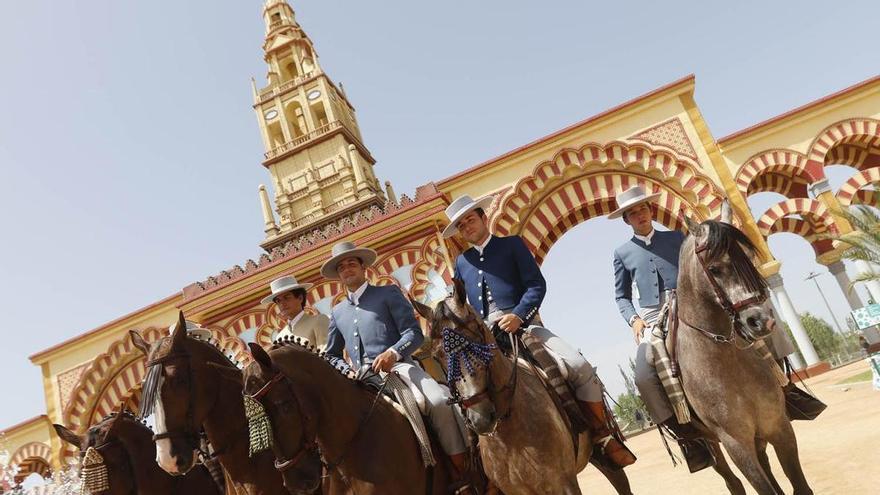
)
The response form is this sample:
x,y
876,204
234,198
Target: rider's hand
x,y
385,361
510,323
638,328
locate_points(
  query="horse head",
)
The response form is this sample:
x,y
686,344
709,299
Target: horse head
x,y
180,389
278,419
468,350
717,268
106,465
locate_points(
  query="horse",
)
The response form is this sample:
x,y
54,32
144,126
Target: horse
x,y
189,396
316,406
526,444
735,395
119,453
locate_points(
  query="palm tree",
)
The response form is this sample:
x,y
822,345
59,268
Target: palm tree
x,y
863,244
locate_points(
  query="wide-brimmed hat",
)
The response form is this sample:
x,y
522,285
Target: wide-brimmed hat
x,y
282,285
631,197
193,329
343,250
461,207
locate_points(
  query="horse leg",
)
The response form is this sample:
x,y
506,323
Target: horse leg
x,y
761,450
745,458
734,485
785,444
617,478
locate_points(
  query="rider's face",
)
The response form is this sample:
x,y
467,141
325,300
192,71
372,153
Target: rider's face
x,y
639,217
352,272
289,305
473,227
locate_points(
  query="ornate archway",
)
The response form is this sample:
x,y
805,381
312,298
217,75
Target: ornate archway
x,y
851,191
581,184
32,458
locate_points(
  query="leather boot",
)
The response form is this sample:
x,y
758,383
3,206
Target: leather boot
x,y
612,448
461,484
694,447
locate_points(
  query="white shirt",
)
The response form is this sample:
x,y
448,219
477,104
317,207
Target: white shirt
x,y
646,238
482,247
356,295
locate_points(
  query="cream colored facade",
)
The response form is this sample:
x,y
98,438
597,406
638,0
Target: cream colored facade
x,y
323,189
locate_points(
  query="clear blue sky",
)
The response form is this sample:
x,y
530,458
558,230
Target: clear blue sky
x,y
130,156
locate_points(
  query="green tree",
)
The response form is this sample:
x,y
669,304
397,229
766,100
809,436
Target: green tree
x,y
826,342
863,244
629,406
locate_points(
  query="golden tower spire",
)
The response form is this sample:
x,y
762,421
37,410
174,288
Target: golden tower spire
x,y
314,150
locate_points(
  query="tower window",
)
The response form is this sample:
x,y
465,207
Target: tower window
x,y
276,17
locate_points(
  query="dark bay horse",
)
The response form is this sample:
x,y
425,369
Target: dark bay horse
x,y
525,443
127,455
188,396
363,439
733,391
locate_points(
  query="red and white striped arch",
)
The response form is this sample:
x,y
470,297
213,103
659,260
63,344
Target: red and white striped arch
x,y
432,258
388,263
810,210
581,184
849,192
119,388
32,458
855,155
804,229
778,163
100,376
862,132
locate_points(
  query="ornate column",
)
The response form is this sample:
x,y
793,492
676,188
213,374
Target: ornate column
x,y
838,269
270,228
793,320
795,358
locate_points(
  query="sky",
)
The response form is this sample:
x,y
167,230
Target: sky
x,y
130,156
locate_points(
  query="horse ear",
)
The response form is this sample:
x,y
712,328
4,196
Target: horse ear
x,y
179,333
694,228
139,342
261,356
227,372
68,436
458,290
423,309
726,212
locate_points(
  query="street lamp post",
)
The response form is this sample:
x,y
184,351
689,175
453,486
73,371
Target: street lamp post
x,y
812,276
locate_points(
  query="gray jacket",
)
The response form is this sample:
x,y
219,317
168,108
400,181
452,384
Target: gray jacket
x,y
382,319
654,268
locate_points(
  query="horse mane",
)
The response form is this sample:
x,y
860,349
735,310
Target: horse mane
x,y
723,238
98,431
301,345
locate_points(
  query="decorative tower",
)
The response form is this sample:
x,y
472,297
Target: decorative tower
x,y
321,170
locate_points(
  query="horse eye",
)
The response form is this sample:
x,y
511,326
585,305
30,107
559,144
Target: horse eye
x,y
714,270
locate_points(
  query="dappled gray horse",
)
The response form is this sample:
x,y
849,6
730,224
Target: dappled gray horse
x,y
732,390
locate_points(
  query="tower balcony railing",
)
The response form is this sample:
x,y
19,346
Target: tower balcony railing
x,y
270,92
295,144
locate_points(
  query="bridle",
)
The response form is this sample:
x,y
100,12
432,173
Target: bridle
x,y
732,309
309,443
187,432
96,477
489,393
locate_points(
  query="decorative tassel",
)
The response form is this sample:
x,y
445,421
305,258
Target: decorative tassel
x,y
94,473
259,426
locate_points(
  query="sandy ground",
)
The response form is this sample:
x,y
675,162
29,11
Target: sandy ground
x,y
840,450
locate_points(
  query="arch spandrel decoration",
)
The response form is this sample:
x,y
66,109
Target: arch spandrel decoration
x,y
32,458
581,184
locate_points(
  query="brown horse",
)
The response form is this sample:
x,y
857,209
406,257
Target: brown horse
x,y
188,396
128,456
734,393
525,444
364,440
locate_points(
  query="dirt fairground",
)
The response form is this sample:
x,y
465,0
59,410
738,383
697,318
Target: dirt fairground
x,y
838,450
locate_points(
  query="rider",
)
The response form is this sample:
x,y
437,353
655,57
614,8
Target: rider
x,y
650,259
378,328
505,286
290,297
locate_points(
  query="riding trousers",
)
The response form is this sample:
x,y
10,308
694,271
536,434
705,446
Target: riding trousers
x,y
579,373
432,398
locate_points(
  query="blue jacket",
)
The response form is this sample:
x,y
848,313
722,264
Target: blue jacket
x,y
382,319
650,266
511,273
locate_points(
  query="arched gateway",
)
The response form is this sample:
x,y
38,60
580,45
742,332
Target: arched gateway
x,y
324,189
